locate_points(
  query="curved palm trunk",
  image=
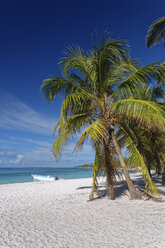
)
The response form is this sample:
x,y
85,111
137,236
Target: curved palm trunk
x,y
149,168
94,184
134,194
148,164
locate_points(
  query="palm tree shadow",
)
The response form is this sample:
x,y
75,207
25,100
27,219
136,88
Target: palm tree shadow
x,y
121,188
139,182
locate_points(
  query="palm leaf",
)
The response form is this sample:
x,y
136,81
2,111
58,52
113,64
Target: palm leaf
x,y
75,59
144,111
136,159
156,32
77,102
55,86
96,131
73,125
96,168
59,143
140,77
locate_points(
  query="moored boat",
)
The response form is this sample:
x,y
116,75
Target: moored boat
x,y
43,178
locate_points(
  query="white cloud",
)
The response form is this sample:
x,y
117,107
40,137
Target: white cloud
x,y
8,154
15,158
40,143
18,159
16,115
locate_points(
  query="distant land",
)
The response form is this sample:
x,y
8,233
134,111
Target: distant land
x,y
87,166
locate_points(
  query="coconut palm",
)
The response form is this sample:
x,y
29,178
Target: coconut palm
x,y
149,141
156,32
96,99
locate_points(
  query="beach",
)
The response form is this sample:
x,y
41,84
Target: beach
x,y
58,214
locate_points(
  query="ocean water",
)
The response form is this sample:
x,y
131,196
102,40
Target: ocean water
x,y
21,175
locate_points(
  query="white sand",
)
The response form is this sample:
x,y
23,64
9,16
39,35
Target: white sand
x,y
57,214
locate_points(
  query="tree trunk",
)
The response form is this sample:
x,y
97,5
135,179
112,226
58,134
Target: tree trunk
x,y
163,169
163,175
110,184
156,154
149,168
148,164
134,194
109,170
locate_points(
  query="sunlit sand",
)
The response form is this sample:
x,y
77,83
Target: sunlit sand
x,y
57,214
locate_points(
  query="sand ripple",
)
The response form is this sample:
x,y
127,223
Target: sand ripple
x,y
57,215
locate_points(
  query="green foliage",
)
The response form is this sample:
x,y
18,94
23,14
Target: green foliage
x,y
88,166
156,32
99,88
147,112
136,159
96,131
139,77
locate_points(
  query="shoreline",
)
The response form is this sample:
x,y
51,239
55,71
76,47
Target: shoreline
x,y
61,178
58,214
44,182
22,175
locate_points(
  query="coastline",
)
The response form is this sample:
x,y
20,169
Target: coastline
x,y
57,214
22,175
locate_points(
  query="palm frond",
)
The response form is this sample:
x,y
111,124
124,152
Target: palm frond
x,y
106,52
82,84
77,102
75,123
74,58
140,77
156,32
57,126
144,111
52,87
96,132
72,125
96,168
158,93
136,159
59,143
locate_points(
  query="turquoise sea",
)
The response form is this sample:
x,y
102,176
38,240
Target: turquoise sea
x,y
21,175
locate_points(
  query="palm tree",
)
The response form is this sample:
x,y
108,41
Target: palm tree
x,y
149,141
156,137
156,32
96,99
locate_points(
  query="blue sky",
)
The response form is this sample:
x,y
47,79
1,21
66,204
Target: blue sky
x,y
33,36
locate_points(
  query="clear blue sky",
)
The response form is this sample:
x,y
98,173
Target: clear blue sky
x,y
33,36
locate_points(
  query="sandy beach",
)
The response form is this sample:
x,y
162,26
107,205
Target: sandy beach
x,y
57,214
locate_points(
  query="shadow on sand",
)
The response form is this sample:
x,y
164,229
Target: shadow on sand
x,y
121,188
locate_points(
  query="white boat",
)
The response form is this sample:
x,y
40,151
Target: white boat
x,y
43,178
